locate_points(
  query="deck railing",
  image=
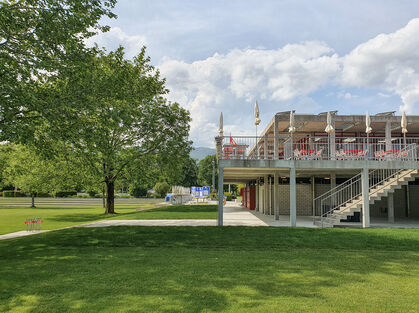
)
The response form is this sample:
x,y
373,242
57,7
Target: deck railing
x,y
319,148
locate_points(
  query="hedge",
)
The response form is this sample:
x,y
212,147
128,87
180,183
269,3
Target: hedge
x,y
13,193
65,193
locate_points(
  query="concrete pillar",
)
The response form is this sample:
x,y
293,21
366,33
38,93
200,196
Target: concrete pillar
x,y
220,195
276,138
293,198
257,195
261,193
365,198
407,201
390,207
276,196
333,185
313,194
265,194
271,196
388,136
265,147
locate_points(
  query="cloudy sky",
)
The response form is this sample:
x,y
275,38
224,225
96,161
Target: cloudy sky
x,y
310,56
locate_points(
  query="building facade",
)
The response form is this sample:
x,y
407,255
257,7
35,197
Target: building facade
x,y
364,168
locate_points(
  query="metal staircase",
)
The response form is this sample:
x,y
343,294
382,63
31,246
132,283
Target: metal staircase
x,y
344,202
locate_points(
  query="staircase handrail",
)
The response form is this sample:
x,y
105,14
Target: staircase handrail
x,y
372,183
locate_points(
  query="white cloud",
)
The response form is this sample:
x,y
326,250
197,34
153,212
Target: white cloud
x,y
116,37
383,95
389,62
229,82
346,95
284,78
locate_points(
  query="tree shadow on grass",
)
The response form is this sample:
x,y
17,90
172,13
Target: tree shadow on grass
x,y
157,269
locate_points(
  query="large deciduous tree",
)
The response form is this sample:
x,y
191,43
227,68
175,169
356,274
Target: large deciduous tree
x,y
205,167
29,171
114,112
39,39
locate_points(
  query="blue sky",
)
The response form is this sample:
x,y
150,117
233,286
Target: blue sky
x,y
310,56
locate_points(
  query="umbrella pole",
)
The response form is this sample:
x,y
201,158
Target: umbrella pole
x,y
366,150
328,145
257,150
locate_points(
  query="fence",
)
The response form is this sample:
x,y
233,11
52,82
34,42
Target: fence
x,y
319,148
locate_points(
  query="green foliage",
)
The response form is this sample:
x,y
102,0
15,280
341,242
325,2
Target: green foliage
x,y
113,113
34,174
229,196
43,195
205,171
12,193
66,193
39,41
138,191
161,189
93,192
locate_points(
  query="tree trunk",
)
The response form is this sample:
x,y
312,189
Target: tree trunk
x,y
103,197
33,200
110,197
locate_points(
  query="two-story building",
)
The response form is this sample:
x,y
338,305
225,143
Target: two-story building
x,y
364,168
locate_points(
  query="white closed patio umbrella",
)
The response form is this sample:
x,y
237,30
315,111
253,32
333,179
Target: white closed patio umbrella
x,y
257,122
404,127
329,130
292,129
368,128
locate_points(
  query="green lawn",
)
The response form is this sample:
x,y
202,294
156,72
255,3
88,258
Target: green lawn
x,y
211,269
60,213
175,212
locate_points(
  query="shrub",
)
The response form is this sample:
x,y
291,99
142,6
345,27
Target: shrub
x,y
138,191
8,193
65,193
213,196
13,193
43,194
161,189
229,196
92,193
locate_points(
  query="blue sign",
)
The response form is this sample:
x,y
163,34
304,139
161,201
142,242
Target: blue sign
x,y
200,192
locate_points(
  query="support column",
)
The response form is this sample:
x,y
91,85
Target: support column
x,y
220,195
261,192
265,194
276,197
333,185
390,207
365,198
257,196
293,198
388,136
270,197
276,139
265,147
313,194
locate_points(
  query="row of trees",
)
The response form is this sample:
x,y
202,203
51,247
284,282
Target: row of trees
x,y
30,172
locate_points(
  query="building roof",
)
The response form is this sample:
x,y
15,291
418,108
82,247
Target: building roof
x,y
312,123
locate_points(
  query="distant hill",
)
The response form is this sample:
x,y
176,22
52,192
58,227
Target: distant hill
x,y
201,152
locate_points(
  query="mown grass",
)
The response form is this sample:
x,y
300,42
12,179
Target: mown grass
x,y
174,212
62,215
211,269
